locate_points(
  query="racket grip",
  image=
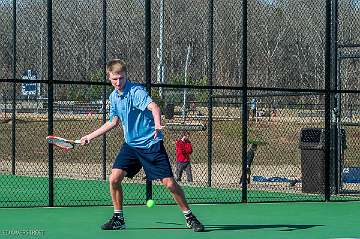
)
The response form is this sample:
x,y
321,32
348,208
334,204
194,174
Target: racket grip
x,y
78,141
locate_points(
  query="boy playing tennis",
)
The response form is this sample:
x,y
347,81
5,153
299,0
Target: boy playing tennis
x,y
143,147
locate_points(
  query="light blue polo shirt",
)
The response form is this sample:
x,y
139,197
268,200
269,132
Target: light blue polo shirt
x,y
137,121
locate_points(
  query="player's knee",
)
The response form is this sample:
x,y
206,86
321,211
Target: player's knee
x,y
114,180
170,184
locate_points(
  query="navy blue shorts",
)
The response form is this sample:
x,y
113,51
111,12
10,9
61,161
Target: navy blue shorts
x,y
154,160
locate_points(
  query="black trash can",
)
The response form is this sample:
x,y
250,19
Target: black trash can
x,y
312,146
169,110
312,160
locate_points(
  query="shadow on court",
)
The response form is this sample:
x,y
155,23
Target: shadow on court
x,y
234,227
282,227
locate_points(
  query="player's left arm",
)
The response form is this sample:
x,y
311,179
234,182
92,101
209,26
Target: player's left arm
x,y
143,101
156,112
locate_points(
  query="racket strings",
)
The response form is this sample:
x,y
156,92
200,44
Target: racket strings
x,y
61,143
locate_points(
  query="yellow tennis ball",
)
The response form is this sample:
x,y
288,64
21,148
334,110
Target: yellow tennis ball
x,y
150,203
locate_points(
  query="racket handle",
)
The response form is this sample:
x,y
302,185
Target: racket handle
x,y
78,141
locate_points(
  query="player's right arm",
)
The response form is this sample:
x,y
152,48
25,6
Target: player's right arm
x,y
100,131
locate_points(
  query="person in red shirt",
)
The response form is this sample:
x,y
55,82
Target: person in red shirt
x,y
183,151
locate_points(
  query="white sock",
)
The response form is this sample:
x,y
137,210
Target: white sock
x,y
187,213
118,213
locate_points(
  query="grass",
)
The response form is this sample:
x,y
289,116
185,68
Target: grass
x,y
280,141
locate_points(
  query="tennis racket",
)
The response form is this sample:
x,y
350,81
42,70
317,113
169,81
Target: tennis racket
x,y
61,142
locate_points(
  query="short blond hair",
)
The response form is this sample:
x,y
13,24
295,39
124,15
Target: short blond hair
x,y
116,62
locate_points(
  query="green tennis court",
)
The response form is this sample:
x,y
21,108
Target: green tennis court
x,y
272,220
259,220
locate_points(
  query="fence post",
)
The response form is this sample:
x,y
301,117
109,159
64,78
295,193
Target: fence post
x,y
335,106
327,97
210,83
50,101
104,9
147,50
244,103
13,118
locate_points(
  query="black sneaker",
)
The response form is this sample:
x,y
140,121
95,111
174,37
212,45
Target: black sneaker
x,y
193,222
115,223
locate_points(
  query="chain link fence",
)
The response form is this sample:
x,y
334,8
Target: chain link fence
x,y
198,80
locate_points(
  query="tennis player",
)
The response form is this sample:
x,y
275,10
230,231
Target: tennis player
x,y
143,147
